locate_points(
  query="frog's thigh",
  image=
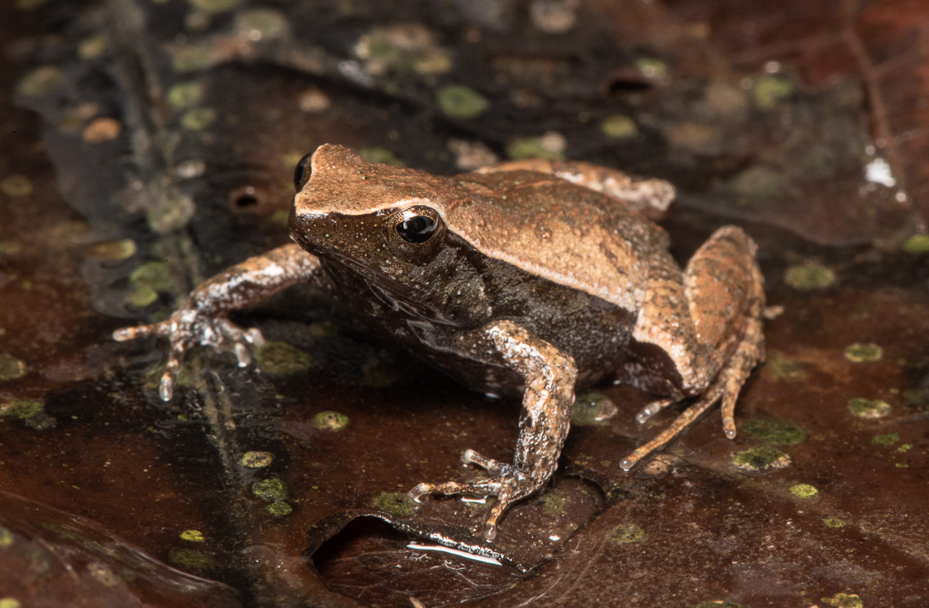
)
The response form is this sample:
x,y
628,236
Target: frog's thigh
x,y
700,322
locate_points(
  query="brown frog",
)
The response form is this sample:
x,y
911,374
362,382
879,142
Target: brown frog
x,y
528,278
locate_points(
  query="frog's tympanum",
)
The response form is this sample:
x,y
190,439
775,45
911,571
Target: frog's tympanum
x,y
528,278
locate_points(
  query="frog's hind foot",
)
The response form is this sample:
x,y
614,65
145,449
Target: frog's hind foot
x,y
508,484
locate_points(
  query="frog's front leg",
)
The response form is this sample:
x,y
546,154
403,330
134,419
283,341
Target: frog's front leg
x,y
549,377
201,317
710,326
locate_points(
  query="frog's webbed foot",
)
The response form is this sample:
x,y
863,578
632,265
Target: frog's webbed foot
x,y
549,376
186,329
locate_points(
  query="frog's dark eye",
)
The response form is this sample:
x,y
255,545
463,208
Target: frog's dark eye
x,y
415,232
416,229
302,172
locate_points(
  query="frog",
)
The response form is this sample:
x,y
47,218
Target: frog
x,y
527,279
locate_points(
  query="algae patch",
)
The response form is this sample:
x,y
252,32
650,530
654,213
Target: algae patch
x,y
627,533
803,490
761,458
282,359
868,408
11,367
774,432
395,503
333,421
864,353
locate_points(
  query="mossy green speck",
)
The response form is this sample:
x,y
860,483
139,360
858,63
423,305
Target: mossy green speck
x,y
256,460
886,440
11,367
198,119
279,508
190,559
16,185
906,447
554,501
10,602
785,369
627,533
10,248
282,359
592,408
844,600
40,81
774,432
193,536
619,127
6,538
330,421
272,490
761,458
864,353
395,503
185,94
525,148
92,47
918,243
811,275
380,155
803,490
869,408
20,408
651,68
114,251
460,101
833,522
771,89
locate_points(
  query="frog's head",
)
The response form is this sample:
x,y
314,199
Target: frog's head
x,y
367,214
384,224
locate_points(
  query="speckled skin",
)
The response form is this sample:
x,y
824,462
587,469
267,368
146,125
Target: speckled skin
x,y
530,285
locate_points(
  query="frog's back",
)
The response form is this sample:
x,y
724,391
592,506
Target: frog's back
x,y
568,234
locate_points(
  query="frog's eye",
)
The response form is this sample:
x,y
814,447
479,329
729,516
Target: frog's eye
x,y
302,172
415,231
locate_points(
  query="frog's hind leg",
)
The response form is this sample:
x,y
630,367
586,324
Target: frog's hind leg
x,y
710,326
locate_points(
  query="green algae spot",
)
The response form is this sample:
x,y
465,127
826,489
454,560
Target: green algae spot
x,y
886,440
761,458
10,248
331,421
6,538
803,490
147,280
757,183
652,68
214,6
114,251
11,367
619,127
256,460
844,600
811,275
185,94
16,185
191,58
40,81
460,101
279,508
272,490
906,447
718,604
786,369
9,602
834,522
199,119
20,408
380,156
627,533
282,359
189,558
592,408
194,536
769,90
554,501
864,353
868,408
395,503
93,47
918,243
526,148
774,432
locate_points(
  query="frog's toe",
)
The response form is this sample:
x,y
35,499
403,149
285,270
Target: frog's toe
x,y
494,467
